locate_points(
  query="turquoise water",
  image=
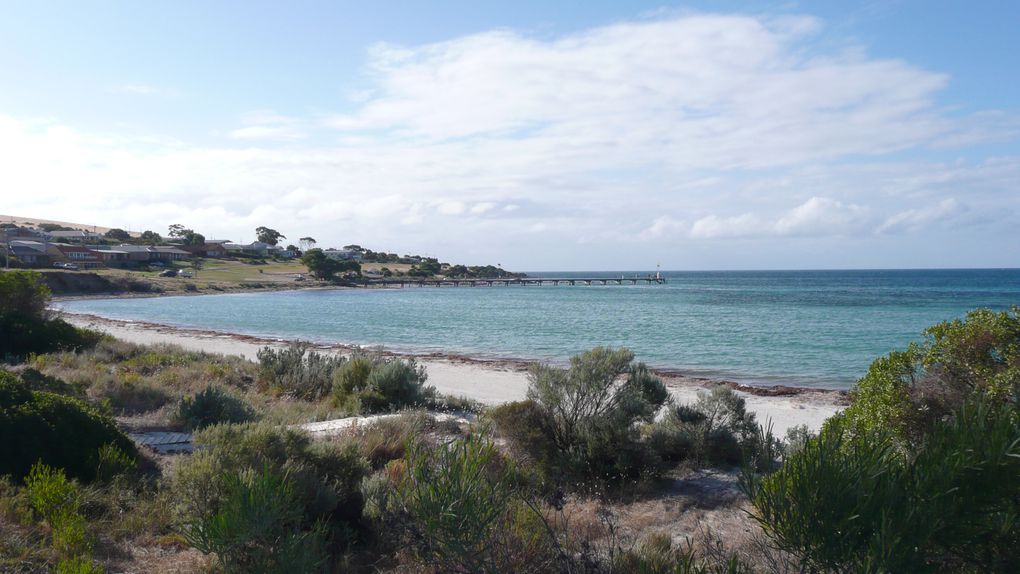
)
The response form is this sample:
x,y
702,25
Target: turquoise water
x,y
819,328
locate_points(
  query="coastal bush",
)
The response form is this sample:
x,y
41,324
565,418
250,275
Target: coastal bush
x,y
715,430
325,476
589,414
57,500
463,513
258,526
910,391
848,502
298,371
26,326
211,406
376,384
60,431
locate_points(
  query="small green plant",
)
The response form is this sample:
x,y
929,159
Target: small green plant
x,y
57,500
462,507
78,565
213,405
325,476
257,527
113,462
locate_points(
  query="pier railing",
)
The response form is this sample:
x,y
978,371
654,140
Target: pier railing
x,y
512,281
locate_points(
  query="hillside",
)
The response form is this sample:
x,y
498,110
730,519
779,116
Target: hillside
x,y
35,222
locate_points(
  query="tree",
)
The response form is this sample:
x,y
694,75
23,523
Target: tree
x,y
187,236
307,243
325,268
268,235
151,237
118,234
177,230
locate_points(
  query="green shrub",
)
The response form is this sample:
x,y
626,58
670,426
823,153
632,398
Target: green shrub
x,y
258,526
375,384
325,476
78,565
25,324
62,432
57,500
589,414
463,513
715,430
298,371
848,502
113,462
211,406
910,391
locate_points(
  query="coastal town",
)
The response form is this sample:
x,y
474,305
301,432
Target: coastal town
x,y
41,246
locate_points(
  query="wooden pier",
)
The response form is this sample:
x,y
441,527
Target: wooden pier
x,y
510,282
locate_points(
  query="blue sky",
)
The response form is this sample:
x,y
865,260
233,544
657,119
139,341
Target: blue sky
x,y
541,135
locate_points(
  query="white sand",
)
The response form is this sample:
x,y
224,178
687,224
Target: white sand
x,y
489,384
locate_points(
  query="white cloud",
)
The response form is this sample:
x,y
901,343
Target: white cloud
x,y
268,125
915,218
677,131
715,227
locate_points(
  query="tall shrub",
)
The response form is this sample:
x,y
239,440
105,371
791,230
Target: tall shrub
x,y
852,503
590,414
62,432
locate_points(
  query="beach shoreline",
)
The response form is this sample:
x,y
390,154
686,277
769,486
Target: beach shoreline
x,y
489,381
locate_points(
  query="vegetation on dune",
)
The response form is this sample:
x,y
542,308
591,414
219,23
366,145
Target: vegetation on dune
x,y
60,431
25,324
602,423
920,473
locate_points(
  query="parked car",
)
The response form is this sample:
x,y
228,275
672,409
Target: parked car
x,y
168,273
186,273
71,266
299,277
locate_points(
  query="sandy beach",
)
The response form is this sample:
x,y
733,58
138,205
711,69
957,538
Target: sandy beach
x,y
489,382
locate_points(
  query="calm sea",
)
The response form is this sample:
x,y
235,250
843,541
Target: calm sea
x,y
820,328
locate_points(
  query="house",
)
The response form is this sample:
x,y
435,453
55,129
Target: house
x,y
207,249
29,252
151,253
79,254
342,254
255,249
75,236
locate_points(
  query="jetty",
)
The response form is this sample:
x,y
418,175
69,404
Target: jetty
x,y
656,279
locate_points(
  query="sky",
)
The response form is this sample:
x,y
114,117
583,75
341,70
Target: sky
x,y
538,135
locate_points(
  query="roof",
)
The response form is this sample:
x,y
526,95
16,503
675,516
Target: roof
x,y
150,249
34,245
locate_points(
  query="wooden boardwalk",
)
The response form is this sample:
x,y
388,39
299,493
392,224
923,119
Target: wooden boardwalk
x,y
510,282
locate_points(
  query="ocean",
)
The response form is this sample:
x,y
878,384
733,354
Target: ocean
x,y
810,328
